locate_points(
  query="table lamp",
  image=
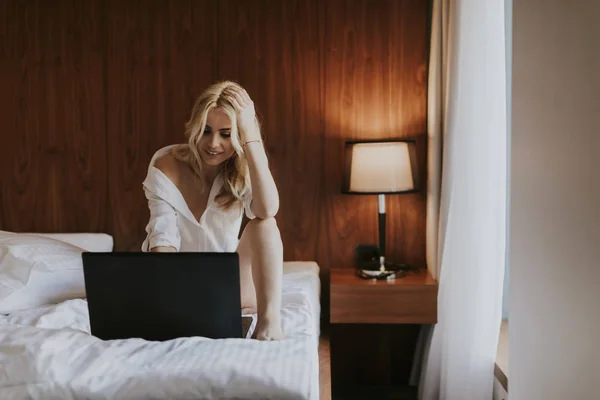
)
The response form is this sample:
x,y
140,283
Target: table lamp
x,y
380,168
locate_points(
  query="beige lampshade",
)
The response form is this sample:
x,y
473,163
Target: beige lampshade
x,y
380,167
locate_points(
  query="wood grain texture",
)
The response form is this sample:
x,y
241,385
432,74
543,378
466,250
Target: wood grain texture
x,y
280,68
107,83
408,300
159,57
324,368
375,88
305,146
259,60
52,127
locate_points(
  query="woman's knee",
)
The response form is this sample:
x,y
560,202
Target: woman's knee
x,y
267,225
264,229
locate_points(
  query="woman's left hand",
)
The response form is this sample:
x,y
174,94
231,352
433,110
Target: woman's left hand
x,y
244,106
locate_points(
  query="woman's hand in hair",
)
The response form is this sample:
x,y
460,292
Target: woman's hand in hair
x,y
265,198
247,124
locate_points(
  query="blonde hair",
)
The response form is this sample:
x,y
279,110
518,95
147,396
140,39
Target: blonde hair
x,y
236,176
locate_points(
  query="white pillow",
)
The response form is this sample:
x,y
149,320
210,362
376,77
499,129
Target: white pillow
x,y
37,271
95,242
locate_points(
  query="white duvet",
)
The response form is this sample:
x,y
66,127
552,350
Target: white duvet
x,y
48,353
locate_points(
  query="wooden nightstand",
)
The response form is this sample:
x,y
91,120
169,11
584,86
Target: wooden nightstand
x,y
408,300
374,328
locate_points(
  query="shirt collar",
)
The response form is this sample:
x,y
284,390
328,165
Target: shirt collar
x,y
161,186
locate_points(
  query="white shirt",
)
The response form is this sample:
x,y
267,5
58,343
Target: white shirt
x,y
172,223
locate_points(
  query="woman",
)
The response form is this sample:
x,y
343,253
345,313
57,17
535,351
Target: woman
x,y
197,194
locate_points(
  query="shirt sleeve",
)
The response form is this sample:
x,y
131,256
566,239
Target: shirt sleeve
x,y
162,229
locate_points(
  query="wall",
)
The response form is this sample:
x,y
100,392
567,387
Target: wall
x,y
555,202
53,143
91,89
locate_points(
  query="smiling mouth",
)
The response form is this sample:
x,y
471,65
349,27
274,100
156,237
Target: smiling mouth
x,y
213,153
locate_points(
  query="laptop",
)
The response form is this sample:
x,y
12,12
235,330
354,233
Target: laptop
x,y
163,296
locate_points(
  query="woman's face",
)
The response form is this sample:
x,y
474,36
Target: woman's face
x,y
215,144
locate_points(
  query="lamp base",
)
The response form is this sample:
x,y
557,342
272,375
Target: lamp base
x,y
379,275
389,271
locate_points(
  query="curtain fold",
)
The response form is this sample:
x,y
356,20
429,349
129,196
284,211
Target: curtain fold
x,y
437,100
466,203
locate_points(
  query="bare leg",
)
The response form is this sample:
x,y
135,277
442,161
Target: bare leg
x,y
261,271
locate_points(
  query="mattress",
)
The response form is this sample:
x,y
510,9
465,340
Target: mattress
x,y
48,353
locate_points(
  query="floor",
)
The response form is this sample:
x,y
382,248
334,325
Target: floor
x,y
377,393
324,368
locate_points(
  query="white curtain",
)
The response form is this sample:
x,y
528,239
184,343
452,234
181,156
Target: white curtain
x,y
466,207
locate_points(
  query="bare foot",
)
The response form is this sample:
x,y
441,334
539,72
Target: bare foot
x,y
268,329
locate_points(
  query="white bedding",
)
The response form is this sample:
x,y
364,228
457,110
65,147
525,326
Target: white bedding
x,y
48,353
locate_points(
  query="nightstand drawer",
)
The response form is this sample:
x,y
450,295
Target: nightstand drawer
x,y
408,300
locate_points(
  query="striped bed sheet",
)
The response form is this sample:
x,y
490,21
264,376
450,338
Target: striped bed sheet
x,y
48,353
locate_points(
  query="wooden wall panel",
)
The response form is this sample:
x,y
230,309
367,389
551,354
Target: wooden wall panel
x,y
273,49
108,96
375,88
52,127
160,55
304,144
408,115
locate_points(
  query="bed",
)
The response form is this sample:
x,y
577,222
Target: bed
x,y
46,352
